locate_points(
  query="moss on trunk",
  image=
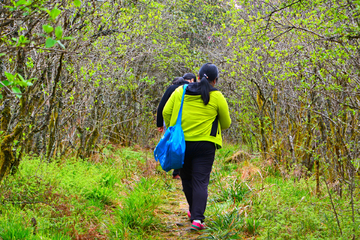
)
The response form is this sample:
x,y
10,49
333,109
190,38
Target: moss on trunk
x,y
5,119
91,142
7,158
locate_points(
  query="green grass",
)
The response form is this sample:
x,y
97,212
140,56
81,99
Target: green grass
x,y
13,226
226,223
270,206
125,195
77,198
136,217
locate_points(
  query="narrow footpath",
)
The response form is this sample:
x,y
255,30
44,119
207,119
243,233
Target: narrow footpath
x,y
175,215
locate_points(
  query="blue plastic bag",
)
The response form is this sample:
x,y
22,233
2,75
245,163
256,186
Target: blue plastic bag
x,y
170,151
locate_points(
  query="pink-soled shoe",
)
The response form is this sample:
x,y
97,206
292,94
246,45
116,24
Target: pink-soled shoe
x,y
197,226
189,214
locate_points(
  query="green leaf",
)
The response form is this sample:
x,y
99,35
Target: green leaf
x,y
77,3
21,84
6,83
67,38
1,96
21,2
2,54
47,28
50,42
9,76
22,40
54,13
16,90
29,83
58,32
22,81
20,77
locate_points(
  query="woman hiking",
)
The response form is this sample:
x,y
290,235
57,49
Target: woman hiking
x,y
205,114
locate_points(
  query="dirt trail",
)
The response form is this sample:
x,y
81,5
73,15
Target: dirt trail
x,y
175,216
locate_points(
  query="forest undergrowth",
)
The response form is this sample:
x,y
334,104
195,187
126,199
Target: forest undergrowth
x,y
123,194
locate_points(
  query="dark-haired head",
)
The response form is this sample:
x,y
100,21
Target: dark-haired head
x,y
190,77
208,74
177,80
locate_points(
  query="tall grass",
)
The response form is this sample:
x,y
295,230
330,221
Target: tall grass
x,y
253,199
12,227
76,198
137,216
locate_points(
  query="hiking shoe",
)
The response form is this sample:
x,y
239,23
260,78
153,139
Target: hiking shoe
x,y
176,176
189,214
196,226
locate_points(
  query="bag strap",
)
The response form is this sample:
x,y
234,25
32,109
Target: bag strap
x,y
178,120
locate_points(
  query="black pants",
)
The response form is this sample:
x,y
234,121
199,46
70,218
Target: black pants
x,y
195,175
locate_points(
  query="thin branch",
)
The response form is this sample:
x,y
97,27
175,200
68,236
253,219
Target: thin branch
x,y
333,206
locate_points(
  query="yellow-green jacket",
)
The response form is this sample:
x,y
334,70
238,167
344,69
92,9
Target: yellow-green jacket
x,y
200,122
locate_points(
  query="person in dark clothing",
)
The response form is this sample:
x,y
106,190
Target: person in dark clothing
x,y
187,78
